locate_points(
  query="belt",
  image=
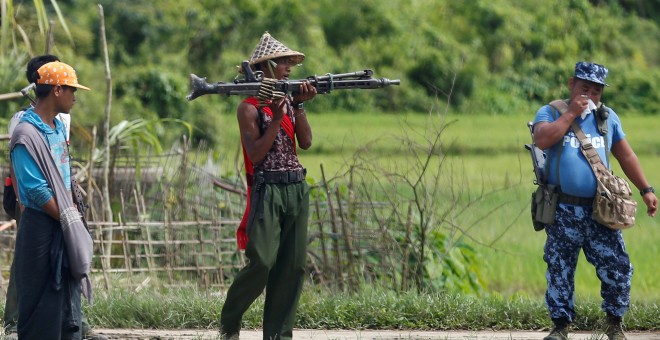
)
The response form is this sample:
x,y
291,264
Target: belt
x,y
283,177
575,200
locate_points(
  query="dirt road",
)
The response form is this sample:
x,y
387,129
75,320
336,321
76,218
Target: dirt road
x,y
309,334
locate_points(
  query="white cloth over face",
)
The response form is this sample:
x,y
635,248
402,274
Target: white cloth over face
x,y
590,108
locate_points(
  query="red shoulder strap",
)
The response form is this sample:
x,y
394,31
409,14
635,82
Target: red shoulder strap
x,y
288,127
286,124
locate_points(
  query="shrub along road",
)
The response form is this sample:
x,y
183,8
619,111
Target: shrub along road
x,y
311,334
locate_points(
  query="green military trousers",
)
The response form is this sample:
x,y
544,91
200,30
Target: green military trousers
x,y
276,251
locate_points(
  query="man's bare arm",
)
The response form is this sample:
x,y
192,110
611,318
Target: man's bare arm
x,y
257,145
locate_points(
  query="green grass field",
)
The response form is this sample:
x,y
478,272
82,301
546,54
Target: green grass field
x,y
487,153
488,158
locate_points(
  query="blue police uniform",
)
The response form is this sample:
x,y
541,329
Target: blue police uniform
x,y
574,229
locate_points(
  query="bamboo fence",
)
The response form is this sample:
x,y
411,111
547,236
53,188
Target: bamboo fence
x,y
170,220
175,221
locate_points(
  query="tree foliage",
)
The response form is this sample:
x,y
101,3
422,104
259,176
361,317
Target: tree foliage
x,y
492,56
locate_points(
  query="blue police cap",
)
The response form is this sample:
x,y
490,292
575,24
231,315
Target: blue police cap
x,y
591,71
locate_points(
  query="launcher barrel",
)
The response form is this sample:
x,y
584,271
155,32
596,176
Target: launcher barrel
x,y
251,85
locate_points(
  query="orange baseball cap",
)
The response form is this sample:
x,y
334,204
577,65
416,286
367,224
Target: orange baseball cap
x,y
59,73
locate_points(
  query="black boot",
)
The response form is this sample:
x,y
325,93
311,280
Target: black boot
x,y
227,334
560,331
614,328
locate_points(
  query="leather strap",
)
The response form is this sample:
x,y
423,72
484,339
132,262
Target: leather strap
x,y
588,150
562,106
284,177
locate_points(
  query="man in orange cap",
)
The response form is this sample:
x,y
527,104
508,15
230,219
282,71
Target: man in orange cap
x,y
274,229
11,309
53,248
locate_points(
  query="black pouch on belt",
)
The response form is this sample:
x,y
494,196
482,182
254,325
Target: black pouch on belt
x,y
544,205
256,199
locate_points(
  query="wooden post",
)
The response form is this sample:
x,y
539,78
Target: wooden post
x,y
200,257
333,224
106,133
217,241
148,251
352,275
11,95
183,174
124,241
168,252
105,264
324,252
90,179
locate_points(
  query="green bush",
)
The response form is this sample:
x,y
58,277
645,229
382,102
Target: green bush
x,y
492,56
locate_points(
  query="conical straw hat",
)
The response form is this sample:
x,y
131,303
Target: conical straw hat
x,y
270,48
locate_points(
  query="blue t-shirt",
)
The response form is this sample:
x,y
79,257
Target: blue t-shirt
x,y
33,189
576,178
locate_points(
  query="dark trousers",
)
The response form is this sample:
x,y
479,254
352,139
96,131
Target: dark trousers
x,y
10,318
575,230
48,301
276,251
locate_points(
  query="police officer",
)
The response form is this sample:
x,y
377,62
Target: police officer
x,y
574,229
